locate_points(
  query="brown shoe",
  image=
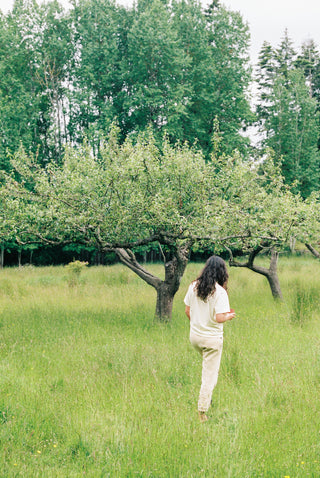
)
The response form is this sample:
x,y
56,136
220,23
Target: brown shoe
x,y
203,417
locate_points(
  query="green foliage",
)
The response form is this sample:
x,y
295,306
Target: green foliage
x,y
135,195
285,56
256,206
34,61
66,76
129,194
288,109
293,132
229,39
74,270
264,80
99,36
158,92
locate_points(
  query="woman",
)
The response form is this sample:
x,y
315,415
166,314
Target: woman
x,y
207,307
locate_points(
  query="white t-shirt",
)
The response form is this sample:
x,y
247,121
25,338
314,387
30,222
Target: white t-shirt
x,y
203,313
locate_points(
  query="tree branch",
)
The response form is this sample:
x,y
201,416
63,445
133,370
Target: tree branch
x,y
162,253
128,259
313,250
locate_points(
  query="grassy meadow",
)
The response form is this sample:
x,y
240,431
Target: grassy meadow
x,y
90,386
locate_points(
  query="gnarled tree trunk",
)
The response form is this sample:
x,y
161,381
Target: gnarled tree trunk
x,y
174,270
167,288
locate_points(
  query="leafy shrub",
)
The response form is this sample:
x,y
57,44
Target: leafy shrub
x,y
74,270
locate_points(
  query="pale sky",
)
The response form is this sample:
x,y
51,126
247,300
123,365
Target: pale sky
x,y
267,19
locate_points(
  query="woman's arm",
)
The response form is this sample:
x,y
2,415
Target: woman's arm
x,y
220,318
187,311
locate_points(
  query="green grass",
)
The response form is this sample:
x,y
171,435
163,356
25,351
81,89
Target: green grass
x,y
91,386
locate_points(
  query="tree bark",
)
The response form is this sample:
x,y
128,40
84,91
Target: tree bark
x,y
292,244
313,250
274,283
174,270
167,288
2,257
271,274
164,303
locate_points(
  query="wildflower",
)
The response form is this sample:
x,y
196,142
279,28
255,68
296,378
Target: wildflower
x,y
39,452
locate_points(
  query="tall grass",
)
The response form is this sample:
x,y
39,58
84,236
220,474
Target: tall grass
x,y
91,386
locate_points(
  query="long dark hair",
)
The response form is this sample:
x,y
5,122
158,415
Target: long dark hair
x,y
214,271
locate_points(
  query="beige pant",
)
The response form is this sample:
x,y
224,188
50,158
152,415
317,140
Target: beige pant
x,y
210,349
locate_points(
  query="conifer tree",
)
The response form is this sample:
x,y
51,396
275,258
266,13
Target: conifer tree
x,y
288,112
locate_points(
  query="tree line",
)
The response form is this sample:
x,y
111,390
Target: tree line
x,y
67,75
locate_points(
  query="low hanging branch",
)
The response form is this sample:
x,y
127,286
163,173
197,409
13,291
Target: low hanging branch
x,y
127,257
271,273
313,251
